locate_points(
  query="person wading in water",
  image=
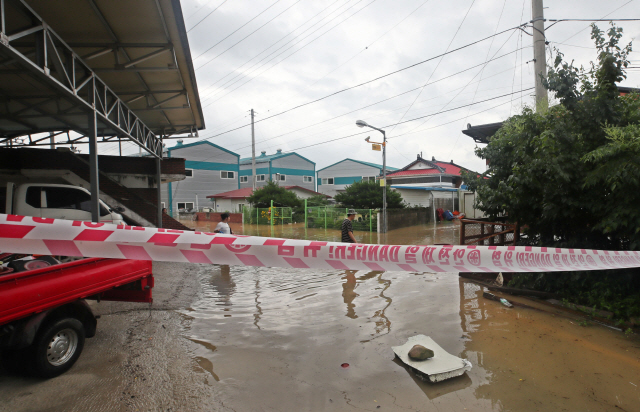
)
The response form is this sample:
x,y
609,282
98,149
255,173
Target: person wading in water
x,y
347,227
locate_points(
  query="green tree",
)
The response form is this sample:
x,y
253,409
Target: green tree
x,y
571,174
552,170
368,195
281,197
317,200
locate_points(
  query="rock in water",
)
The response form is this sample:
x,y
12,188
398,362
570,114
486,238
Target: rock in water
x,y
419,352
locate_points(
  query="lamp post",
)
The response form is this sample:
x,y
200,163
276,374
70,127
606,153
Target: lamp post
x,y
361,123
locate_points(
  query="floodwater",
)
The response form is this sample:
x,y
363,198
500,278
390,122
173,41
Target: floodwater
x,y
429,234
275,339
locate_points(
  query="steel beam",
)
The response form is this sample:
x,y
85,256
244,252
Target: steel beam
x,y
93,156
159,191
51,49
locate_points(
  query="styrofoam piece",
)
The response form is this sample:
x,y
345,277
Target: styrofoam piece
x,y
442,366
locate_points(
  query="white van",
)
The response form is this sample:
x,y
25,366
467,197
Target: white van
x,y
56,201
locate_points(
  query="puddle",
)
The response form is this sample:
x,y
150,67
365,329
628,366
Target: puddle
x,y
282,335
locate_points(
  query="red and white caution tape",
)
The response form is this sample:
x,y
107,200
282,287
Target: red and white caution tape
x,y
20,234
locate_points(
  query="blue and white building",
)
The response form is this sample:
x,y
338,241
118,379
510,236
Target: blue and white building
x,y
335,178
288,169
210,169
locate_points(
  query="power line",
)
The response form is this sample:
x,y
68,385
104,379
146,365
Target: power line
x,y
245,37
412,120
278,41
233,32
630,1
368,81
439,61
295,52
211,12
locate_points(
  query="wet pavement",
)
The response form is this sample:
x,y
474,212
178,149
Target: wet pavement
x,y
267,339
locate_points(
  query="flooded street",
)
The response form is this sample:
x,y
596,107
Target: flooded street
x,y
282,335
430,234
220,338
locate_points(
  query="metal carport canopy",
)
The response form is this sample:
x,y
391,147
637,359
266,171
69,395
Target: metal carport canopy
x,y
128,59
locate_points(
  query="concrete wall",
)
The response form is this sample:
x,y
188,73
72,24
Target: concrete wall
x,y
230,205
207,162
344,174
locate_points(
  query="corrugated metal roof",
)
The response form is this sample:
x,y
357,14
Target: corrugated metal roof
x,y
138,48
359,161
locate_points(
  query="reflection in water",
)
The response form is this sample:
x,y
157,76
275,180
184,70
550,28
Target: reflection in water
x,y
440,233
224,285
348,293
434,390
258,313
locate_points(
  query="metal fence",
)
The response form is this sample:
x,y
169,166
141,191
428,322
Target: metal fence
x,y
328,217
481,232
267,215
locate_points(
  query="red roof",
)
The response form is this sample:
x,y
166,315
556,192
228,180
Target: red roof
x,y
247,191
450,169
238,193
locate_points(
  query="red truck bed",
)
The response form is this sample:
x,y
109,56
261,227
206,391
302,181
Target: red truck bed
x,y
26,293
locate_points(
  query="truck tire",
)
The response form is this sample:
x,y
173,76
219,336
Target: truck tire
x,y
57,347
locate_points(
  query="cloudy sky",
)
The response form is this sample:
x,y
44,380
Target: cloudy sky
x,y
274,55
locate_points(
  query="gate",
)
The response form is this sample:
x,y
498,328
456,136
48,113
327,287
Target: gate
x,y
480,232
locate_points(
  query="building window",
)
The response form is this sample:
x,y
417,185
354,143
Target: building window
x,y
244,179
327,180
281,177
307,179
227,175
240,207
368,178
259,178
188,172
185,206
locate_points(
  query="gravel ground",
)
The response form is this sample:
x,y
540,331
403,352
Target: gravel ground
x,y
138,360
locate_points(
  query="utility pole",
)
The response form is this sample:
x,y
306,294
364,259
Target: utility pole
x,y
539,55
253,154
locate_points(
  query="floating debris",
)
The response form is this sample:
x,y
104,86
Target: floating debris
x,y
441,366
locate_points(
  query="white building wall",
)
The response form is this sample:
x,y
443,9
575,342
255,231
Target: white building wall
x,y
207,163
344,174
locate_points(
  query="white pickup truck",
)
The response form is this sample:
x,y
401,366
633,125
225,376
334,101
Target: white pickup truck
x,y
56,201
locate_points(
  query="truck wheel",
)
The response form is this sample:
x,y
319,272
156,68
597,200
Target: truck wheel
x,y
57,348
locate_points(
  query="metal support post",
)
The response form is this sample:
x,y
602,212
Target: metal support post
x,y
93,156
272,213
253,154
159,189
305,213
539,55
370,221
325,218
384,177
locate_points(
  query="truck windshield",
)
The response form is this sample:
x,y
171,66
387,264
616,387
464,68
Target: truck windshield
x,y
62,198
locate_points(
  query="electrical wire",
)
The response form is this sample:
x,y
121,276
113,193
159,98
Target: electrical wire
x,y
211,12
627,3
439,61
292,54
272,45
248,35
233,32
367,82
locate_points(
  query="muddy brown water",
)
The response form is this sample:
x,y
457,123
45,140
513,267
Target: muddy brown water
x,y
276,340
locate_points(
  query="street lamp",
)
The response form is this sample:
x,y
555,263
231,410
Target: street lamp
x,y
362,123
